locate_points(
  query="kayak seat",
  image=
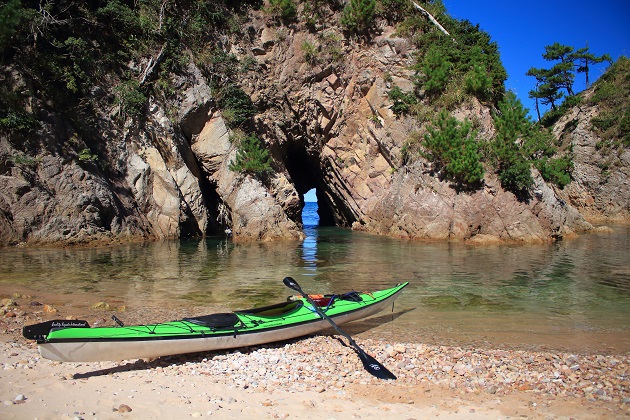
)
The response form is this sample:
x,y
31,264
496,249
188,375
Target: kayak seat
x,y
220,320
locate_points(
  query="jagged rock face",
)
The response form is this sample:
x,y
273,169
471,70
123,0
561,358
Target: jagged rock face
x,y
166,180
328,125
62,202
601,178
419,206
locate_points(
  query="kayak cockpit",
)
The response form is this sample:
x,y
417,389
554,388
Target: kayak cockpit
x,y
279,309
221,320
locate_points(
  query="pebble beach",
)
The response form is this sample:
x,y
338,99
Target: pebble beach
x,y
314,377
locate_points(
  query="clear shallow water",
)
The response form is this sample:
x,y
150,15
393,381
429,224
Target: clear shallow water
x,y
572,295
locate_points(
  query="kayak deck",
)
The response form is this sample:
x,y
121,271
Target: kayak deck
x,y
278,322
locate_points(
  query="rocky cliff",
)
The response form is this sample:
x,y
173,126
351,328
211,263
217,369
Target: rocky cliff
x,y
600,189
328,124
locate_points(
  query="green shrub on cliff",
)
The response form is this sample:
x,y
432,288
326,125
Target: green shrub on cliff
x,y
436,69
512,124
310,52
478,82
358,15
251,157
612,96
130,98
16,121
465,63
403,101
557,171
452,147
237,106
283,9
518,144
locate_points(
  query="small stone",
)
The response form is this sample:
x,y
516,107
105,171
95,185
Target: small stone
x,y
399,348
50,309
7,302
100,305
124,408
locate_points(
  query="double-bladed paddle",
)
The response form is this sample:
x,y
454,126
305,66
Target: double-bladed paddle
x,y
369,363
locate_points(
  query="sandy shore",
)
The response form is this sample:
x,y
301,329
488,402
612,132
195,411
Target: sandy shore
x,y
315,377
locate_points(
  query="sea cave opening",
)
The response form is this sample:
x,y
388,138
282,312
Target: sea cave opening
x,y
310,218
308,179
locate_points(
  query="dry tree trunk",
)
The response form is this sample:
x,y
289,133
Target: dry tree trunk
x,y
151,65
431,18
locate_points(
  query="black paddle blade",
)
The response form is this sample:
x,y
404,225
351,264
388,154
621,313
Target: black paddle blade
x,y
292,284
373,366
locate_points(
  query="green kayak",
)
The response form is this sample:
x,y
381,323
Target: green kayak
x,y
75,341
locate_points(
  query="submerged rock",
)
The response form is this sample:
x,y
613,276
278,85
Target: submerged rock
x,y
441,301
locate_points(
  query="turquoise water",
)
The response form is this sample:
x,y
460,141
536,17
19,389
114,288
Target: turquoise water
x,y
572,295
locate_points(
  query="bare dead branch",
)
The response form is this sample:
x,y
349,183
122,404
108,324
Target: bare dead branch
x,y
431,18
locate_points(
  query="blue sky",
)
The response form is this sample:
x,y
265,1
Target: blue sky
x,y
522,29
310,197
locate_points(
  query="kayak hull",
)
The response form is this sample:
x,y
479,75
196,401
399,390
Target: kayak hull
x,y
85,345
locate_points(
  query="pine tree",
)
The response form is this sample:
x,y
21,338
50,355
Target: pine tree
x,y
436,69
251,157
561,73
547,88
552,83
358,15
585,59
512,124
451,145
549,82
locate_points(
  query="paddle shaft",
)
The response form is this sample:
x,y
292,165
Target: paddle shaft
x,y
327,318
371,364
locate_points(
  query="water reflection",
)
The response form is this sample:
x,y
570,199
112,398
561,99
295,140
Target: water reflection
x,y
561,294
310,220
